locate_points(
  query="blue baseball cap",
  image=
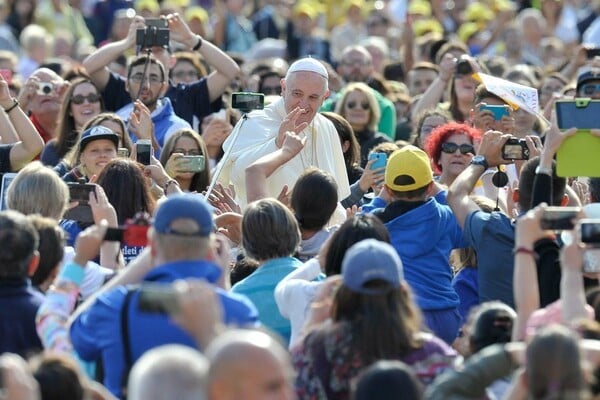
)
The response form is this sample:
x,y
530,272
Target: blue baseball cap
x,y
184,206
371,259
96,133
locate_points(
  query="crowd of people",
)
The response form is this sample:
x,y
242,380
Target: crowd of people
x,y
388,225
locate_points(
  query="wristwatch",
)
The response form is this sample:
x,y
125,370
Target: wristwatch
x,y
480,160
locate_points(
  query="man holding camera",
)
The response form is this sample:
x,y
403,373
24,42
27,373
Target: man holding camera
x,y
182,245
42,96
197,99
492,235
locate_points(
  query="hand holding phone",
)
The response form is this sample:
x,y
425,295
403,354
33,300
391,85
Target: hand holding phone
x,y
143,149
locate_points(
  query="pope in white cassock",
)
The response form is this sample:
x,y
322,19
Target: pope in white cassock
x,y
304,89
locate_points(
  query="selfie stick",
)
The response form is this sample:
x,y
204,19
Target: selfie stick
x,y
234,135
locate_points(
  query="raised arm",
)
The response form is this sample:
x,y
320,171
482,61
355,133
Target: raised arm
x,y
258,172
15,120
489,155
435,91
96,64
225,68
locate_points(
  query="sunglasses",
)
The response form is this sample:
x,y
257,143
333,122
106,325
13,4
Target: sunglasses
x,y
451,148
590,88
352,105
91,98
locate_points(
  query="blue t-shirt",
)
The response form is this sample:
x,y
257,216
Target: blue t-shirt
x,y
492,235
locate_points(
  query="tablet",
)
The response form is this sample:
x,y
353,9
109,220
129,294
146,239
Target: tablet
x,y
7,178
579,154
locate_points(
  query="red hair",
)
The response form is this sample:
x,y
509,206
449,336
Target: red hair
x,y
441,134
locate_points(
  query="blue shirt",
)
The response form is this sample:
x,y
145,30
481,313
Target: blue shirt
x,y
492,235
96,333
423,237
259,287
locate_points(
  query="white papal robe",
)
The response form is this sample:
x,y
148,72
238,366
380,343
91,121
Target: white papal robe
x,y
257,138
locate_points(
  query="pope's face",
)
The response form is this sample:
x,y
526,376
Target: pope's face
x,y
306,90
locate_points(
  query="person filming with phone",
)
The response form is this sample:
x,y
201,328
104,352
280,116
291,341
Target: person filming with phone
x,y
304,89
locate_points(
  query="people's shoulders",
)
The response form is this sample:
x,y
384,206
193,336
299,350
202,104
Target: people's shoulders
x,y
238,308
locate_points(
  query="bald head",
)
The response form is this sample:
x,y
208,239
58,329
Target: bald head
x,y
45,93
169,372
249,365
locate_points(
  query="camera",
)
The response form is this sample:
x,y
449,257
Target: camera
x,y
498,111
247,101
45,88
156,33
589,232
515,149
463,66
559,218
191,164
80,193
158,298
143,151
133,233
592,52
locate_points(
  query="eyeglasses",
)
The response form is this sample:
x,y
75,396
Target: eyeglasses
x,y
139,78
352,105
266,90
191,152
590,88
91,98
186,74
450,148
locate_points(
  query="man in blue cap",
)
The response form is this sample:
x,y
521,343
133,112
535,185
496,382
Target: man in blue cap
x,y
114,329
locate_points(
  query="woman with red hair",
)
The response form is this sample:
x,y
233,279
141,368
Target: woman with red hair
x,y
451,147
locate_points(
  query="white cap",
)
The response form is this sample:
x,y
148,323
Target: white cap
x,y
309,64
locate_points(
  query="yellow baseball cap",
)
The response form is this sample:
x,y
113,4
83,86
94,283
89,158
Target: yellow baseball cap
x,y
408,169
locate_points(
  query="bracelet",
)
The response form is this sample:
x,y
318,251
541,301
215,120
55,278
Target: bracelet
x,y
525,250
169,183
199,44
15,105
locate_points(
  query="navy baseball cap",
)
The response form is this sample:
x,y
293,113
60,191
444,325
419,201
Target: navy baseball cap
x,y
371,259
96,133
587,75
184,206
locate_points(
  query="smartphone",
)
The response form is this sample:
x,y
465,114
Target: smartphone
x,y
191,164
122,152
497,111
158,298
380,160
130,235
592,52
7,74
247,101
160,23
515,149
559,218
80,192
7,178
589,232
143,149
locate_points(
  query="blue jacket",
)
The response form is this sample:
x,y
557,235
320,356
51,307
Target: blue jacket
x,y
423,236
19,303
164,118
97,333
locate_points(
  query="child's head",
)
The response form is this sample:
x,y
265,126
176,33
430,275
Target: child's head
x,y
314,199
408,174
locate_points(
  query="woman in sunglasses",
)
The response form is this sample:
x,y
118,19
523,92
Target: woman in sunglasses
x,y
451,147
360,108
82,102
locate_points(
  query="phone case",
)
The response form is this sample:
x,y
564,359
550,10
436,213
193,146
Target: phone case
x,y
380,160
578,155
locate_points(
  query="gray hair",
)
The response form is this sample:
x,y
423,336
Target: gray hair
x,y
169,372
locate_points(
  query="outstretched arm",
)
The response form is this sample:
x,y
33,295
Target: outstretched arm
x,y
97,63
458,194
258,172
225,68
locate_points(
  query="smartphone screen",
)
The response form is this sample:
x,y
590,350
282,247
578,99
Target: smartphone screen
x,y
144,151
590,232
80,192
